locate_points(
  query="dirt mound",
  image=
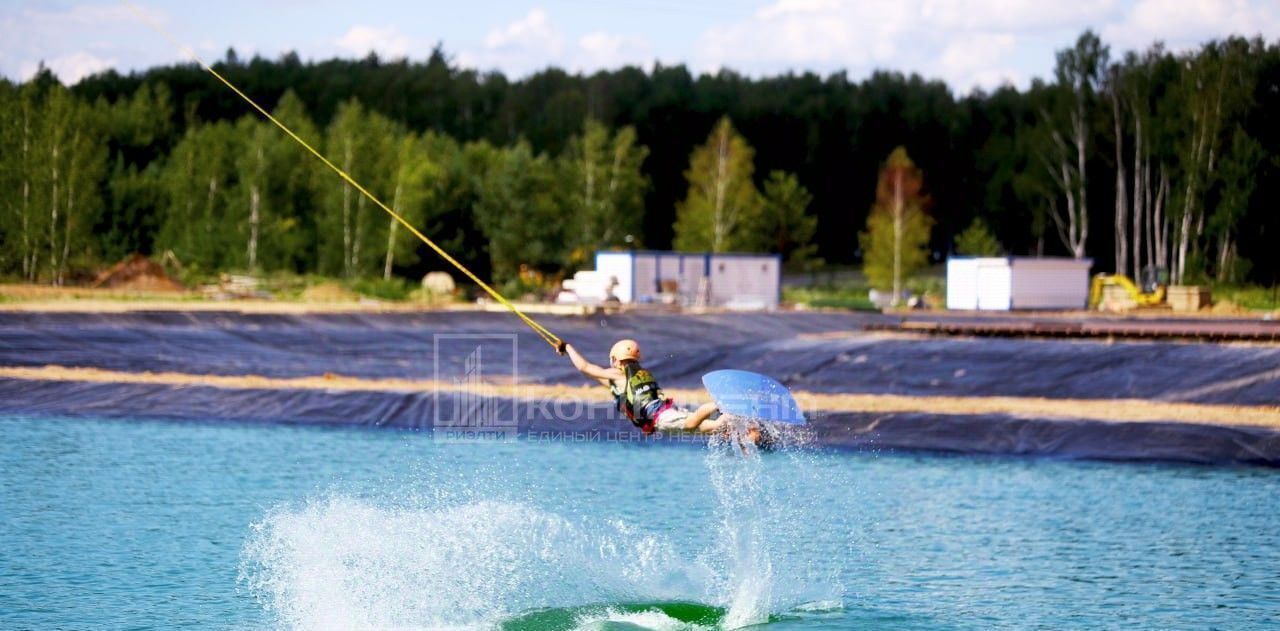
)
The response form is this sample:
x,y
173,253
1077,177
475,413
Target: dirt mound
x,y
1226,307
138,273
329,292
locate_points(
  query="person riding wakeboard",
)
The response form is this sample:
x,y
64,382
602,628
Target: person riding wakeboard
x,y
638,394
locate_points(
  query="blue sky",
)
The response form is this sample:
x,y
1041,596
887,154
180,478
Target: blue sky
x,y
964,42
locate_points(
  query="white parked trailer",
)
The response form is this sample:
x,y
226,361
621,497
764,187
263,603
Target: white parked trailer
x,y
1005,283
730,280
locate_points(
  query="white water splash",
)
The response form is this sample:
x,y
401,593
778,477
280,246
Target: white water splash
x,y
343,563
653,620
744,549
762,509
445,559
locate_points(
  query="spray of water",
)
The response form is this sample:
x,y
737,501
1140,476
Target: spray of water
x,y
761,478
344,563
466,560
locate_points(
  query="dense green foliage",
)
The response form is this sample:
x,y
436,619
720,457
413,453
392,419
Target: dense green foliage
x,y
1159,158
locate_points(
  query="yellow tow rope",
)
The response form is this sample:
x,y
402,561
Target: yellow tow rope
x,y
542,331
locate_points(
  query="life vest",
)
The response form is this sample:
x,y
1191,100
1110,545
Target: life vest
x,y
637,393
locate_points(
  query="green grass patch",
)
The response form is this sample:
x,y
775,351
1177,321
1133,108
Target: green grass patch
x,y
830,297
395,289
1252,297
855,295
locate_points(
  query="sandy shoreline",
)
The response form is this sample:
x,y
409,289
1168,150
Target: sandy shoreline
x,y
1113,410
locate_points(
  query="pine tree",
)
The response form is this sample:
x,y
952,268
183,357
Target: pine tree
x,y
896,242
977,240
722,202
785,225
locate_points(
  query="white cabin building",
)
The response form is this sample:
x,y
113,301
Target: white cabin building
x,y
727,280
1016,282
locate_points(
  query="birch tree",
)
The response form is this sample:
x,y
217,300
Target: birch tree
x,y
1137,88
274,191
10,179
1065,155
24,166
722,199
1216,85
362,144
63,163
1238,178
603,168
198,181
412,193
1120,236
251,167
290,226
895,244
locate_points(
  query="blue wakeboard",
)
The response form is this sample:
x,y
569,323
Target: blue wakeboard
x,y
753,396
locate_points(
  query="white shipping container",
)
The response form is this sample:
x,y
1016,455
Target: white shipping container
x,y
1005,283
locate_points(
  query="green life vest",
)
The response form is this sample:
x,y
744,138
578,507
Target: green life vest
x,y
637,393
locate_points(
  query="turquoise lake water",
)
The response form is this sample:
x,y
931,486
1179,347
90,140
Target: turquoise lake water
x,y
123,524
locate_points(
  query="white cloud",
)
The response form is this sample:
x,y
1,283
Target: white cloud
x,y
532,32
534,42
964,42
957,42
805,33
1187,23
1014,15
968,43
520,47
79,40
609,50
979,60
69,68
387,42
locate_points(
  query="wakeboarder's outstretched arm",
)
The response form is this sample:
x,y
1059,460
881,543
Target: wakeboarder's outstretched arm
x,y
591,371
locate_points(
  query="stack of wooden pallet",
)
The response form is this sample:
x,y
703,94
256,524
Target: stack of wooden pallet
x,y
1188,297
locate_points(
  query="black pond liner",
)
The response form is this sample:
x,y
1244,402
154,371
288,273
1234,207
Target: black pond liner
x,y
977,434
814,352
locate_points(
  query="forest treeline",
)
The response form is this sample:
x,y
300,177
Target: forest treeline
x,y
1149,158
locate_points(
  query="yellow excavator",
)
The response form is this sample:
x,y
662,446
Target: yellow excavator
x,y
1150,294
